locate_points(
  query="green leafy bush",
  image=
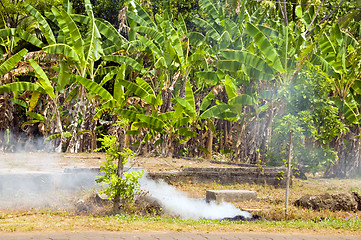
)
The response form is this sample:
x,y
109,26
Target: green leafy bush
x,y
116,181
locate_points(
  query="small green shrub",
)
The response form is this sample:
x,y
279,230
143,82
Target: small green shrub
x,y
117,182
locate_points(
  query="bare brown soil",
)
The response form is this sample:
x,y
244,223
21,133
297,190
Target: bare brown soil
x,y
39,161
159,164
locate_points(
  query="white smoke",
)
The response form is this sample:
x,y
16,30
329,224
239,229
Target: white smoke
x,y
11,143
38,180
177,202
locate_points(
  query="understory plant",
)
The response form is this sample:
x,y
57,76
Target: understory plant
x,y
119,186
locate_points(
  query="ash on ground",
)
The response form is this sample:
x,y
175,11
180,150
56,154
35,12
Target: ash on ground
x,y
242,218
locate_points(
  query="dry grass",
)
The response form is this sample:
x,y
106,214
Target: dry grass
x,y
271,206
25,221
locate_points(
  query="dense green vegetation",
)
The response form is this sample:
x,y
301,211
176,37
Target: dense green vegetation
x,y
185,78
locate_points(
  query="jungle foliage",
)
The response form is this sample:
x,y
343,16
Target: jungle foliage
x,y
189,78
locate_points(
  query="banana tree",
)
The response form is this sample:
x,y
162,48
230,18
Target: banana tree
x,y
161,128
6,113
267,56
259,61
171,57
338,58
10,39
45,87
221,31
117,102
241,50
152,125
17,28
78,53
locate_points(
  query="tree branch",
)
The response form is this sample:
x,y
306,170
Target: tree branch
x,y
314,18
284,13
6,11
325,18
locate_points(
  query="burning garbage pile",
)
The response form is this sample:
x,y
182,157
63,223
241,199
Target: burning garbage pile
x,y
177,203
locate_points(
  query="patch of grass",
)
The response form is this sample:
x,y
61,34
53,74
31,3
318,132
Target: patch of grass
x,y
271,206
63,221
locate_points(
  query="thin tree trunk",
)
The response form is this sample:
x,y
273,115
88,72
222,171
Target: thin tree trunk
x,y
221,135
359,156
240,138
7,111
80,109
269,126
288,172
170,144
127,137
226,130
209,143
117,200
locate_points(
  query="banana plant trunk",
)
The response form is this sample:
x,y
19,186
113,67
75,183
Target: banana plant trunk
x,y
166,96
82,138
58,129
7,120
170,144
54,126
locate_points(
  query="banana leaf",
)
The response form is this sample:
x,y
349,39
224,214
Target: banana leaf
x,y
94,88
265,46
43,24
22,86
12,61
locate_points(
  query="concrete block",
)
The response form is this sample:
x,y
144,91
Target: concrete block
x,y
230,195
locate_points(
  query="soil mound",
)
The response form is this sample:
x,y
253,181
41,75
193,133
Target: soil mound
x,y
333,202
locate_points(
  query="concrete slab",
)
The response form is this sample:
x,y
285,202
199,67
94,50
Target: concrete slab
x,y
230,195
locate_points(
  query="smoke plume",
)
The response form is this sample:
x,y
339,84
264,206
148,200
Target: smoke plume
x,y
37,180
178,203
